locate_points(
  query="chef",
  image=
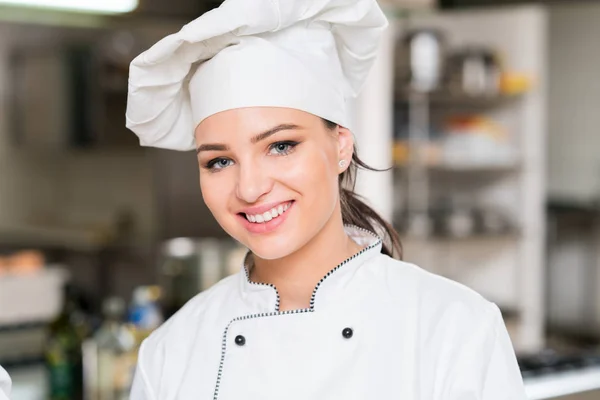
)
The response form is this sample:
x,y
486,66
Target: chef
x,y
322,307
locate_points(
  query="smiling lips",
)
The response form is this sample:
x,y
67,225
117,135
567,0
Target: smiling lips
x,y
267,216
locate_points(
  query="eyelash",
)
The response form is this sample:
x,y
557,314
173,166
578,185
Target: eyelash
x,y
290,143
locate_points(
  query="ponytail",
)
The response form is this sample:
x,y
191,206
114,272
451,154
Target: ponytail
x,y
356,212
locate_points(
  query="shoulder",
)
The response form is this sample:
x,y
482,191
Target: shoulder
x,y
433,296
447,314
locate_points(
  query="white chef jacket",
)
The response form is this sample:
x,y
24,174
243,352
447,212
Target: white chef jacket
x,y
5,384
376,328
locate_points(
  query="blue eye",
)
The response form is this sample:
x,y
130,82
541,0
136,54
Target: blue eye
x,y
282,148
218,163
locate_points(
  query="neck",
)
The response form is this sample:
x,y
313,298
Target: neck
x,y
295,276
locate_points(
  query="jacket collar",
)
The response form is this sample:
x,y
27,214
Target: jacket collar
x,y
264,298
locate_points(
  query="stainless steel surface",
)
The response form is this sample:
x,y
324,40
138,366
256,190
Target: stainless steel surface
x,y
25,343
573,293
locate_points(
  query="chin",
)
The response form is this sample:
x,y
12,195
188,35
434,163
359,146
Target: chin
x,y
266,247
272,249
269,255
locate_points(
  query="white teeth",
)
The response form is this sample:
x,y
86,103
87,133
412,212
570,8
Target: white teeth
x,y
269,215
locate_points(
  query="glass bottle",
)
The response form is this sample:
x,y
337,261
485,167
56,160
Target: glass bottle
x,y
116,353
63,351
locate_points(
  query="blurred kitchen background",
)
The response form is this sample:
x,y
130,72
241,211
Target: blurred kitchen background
x,y
488,111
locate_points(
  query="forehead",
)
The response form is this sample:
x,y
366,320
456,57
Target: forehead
x,y
249,121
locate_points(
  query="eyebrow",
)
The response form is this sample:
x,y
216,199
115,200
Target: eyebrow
x,y
255,139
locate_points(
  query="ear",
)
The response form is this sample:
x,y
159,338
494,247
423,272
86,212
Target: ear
x,y
345,147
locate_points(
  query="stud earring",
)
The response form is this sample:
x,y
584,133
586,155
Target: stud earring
x,y
342,163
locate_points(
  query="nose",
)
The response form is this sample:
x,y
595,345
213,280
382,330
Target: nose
x,y
254,181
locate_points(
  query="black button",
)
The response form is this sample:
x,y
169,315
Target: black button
x,y
347,333
240,340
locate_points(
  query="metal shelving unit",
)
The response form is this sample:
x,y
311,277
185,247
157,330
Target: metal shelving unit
x,y
508,267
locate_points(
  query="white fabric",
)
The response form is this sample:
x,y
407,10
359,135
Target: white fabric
x,y
416,336
5,384
310,55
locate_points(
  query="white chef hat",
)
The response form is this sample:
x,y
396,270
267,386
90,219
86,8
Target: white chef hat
x,y
311,55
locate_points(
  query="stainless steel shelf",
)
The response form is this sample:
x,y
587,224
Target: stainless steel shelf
x,y
466,168
474,238
447,99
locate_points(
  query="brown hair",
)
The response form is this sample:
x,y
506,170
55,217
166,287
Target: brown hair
x,y
356,212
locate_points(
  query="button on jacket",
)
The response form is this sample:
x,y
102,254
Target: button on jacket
x,y
376,328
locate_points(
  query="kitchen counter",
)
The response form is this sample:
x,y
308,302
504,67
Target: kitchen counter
x,y
550,375
584,383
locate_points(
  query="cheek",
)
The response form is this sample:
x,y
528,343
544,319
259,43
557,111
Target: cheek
x,y
311,173
214,191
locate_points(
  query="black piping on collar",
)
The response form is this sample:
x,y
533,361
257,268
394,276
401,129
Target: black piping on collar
x,y
247,273
277,312
314,293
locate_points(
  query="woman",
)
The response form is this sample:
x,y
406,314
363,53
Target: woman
x,y
320,309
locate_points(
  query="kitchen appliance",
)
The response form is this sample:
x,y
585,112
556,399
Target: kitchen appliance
x,y
22,343
31,298
28,302
552,375
573,292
